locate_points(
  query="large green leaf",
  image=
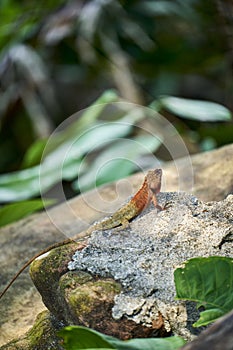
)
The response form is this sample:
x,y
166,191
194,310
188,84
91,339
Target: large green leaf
x,y
80,338
62,163
117,161
86,119
171,343
19,185
209,282
195,109
33,155
63,154
76,337
15,211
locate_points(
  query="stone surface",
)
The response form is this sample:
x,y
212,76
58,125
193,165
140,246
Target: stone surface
x,y
143,258
123,279
23,239
213,180
212,174
46,272
82,299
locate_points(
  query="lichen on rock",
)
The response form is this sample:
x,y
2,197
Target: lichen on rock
x,y
122,283
143,258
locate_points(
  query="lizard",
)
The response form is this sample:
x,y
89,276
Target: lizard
x,y
146,194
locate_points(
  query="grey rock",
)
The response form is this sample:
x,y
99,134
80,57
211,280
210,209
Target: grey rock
x,y
213,180
143,257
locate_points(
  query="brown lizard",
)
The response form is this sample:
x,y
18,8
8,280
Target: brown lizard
x,y
146,194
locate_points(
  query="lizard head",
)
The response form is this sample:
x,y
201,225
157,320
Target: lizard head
x,y
153,178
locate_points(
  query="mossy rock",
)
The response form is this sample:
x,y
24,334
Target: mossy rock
x,y
91,299
78,298
43,335
46,272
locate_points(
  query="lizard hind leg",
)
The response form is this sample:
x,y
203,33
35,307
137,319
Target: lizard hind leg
x,y
124,225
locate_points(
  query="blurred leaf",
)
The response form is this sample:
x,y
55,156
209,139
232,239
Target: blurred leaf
x,y
118,161
80,338
208,281
208,144
19,185
91,113
158,8
195,109
20,19
34,153
16,211
63,153
169,343
77,337
68,156
62,163
222,134
83,121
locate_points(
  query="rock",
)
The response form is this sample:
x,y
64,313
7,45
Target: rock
x,y
23,239
143,258
91,300
125,277
207,175
46,272
41,336
79,298
213,180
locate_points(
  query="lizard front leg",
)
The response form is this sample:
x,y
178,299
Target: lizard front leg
x,y
155,202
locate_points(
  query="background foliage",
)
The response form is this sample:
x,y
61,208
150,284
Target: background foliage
x,y
57,57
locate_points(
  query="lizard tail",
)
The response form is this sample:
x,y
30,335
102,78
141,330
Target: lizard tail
x,y
16,275
46,250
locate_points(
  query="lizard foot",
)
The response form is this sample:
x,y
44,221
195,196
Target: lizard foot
x,y
167,205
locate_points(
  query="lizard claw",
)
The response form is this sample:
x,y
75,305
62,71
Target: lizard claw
x,y
167,205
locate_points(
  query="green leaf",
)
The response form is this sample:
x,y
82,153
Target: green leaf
x,y
196,109
208,315
34,153
117,161
158,8
16,211
63,154
62,163
209,282
19,185
171,343
79,338
27,183
71,133
90,115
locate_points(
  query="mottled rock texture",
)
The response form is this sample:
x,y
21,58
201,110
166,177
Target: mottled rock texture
x,y
143,258
121,283
213,180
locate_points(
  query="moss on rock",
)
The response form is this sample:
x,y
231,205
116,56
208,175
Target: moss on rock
x,y
41,336
90,294
46,272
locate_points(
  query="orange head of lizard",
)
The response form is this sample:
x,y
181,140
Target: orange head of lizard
x,y
153,178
